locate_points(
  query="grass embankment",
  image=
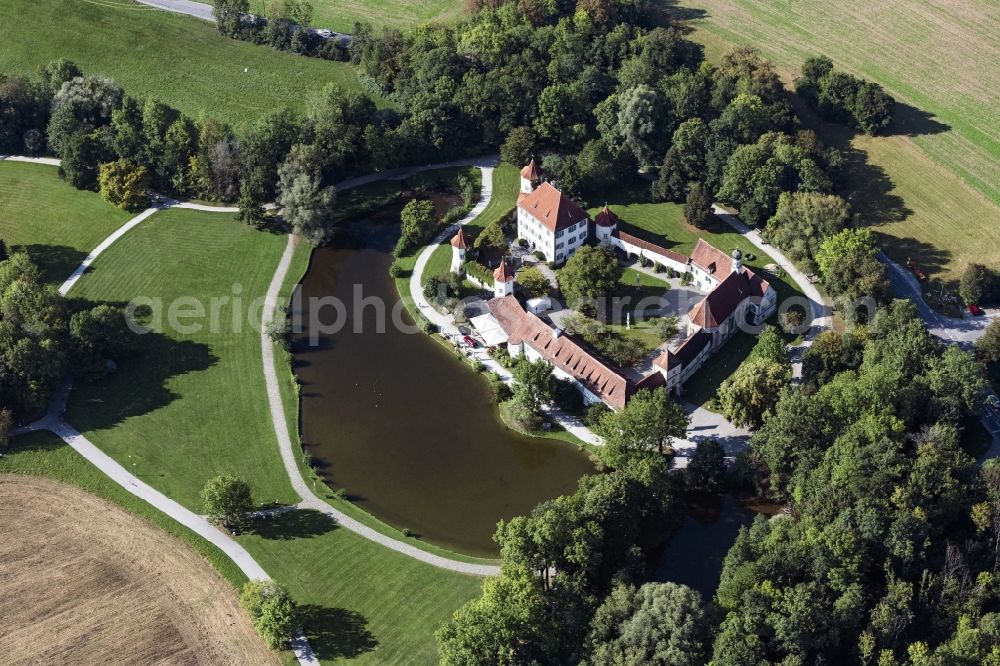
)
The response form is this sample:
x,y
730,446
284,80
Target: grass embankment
x,y
340,15
138,592
56,224
191,403
931,187
181,60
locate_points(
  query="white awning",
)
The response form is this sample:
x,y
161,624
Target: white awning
x,y
489,330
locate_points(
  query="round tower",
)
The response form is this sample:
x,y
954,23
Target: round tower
x,y
605,224
737,261
503,280
531,177
458,248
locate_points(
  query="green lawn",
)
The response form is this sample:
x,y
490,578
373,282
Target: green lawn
x,y
359,600
932,188
181,60
44,454
192,405
438,264
704,383
340,15
57,224
663,223
506,187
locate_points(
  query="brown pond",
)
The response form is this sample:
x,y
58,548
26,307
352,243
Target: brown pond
x,y
695,554
395,419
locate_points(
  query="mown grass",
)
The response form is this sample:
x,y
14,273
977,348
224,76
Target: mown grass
x,y
506,187
931,188
360,602
191,403
56,224
181,60
44,454
340,15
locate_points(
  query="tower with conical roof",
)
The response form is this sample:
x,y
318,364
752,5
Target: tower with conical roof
x,y
458,248
531,177
737,261
503,280
605,224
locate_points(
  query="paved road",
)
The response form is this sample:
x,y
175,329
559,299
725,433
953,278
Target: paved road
x,y
196,9
203,11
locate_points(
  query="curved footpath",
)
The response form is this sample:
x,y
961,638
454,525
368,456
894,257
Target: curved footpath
x,y
54,422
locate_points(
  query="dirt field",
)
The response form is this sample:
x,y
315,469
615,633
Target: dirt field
x,y
84,582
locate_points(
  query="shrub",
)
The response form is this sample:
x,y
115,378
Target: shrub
x,y
124,184
595,413
395,270
501,389
478,366
271,611
428,327
566,396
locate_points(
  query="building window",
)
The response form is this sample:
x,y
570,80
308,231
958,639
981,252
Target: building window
x,y
559,246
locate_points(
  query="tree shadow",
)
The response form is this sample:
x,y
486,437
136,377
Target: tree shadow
x,y
336,633
139,383
910,121
298,524
56,262
867,186
663,13
929,258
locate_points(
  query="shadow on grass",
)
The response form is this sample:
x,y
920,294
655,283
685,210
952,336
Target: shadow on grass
x,y
336,633
929,258
56,262
300,524
139,385
910,121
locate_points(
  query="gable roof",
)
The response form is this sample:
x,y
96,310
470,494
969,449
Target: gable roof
x,y
562,351
685,353
712,260
459,240
552,208
649,247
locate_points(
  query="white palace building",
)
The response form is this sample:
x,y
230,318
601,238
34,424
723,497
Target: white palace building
x,y
555,225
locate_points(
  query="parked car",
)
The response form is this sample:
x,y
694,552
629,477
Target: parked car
x,y
469,340
975,310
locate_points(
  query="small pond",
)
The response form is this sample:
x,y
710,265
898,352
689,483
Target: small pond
x,y
694,556
395,419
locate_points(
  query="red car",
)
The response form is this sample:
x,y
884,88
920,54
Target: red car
x,y
975,309
471,341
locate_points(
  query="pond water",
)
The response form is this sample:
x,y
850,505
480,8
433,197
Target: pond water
x,y
400,423
694,556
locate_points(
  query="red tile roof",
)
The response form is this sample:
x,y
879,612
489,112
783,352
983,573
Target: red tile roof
x,y
712,260
459,240
552,208
531,172
649,247
721,302
606,218
685,353
562,351
504,273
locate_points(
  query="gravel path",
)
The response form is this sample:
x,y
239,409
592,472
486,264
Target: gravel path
x,y
309,499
